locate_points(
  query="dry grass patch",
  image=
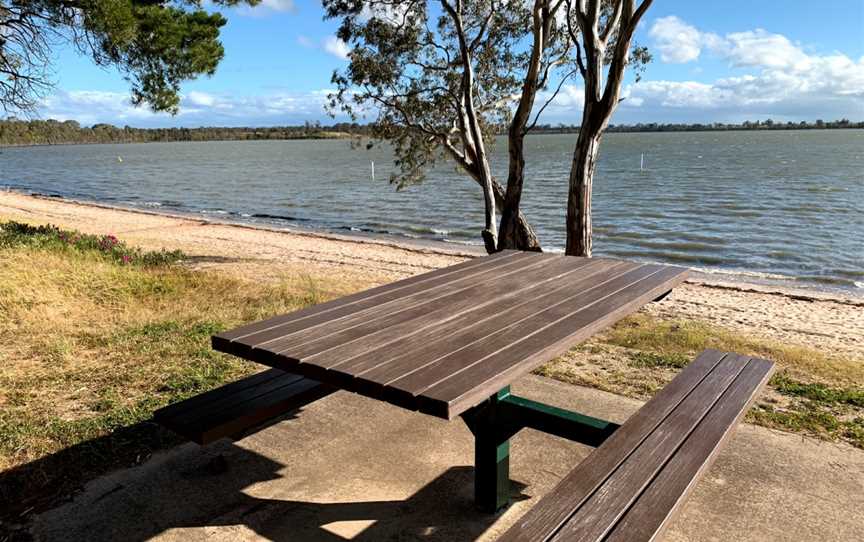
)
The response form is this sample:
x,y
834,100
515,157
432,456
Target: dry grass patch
x,y
90,346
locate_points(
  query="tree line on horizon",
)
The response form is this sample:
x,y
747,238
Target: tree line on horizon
x,y
15,132
54,132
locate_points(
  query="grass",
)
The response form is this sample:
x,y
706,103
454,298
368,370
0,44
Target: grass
x,y
91,343
649,334
811,392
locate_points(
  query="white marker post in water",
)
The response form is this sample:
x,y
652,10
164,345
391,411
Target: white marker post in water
x,y
642,162
372,163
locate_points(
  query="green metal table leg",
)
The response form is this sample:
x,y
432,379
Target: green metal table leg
x,y
497,419
491,456
491,473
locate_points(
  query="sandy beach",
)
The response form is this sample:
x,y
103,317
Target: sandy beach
x,y
829,322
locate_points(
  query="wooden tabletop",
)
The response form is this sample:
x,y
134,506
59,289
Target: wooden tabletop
x,y
444,341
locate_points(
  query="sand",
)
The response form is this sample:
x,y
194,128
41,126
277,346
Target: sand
x,y
831,322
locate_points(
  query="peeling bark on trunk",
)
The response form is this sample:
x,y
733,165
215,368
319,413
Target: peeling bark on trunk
x,y
579,230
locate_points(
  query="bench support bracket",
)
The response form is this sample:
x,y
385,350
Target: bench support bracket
x,y
499,418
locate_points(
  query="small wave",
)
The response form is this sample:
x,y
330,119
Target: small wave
x,y
150,204
858,284
361,229
279,217
743,273
627,235
826,189
214,212
674,257
676,245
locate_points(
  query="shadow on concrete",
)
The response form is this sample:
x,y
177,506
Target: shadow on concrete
x,y
192,486
33,487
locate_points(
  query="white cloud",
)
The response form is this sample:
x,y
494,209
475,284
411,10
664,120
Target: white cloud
x,y
677,41
763,49
336,47
830,86
278,5
266,7
778,77
680,42
196,109
201,99
392,14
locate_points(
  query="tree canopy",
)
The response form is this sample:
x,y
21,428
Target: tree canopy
x,y
155,44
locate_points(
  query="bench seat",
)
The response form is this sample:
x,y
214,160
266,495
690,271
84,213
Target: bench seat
x,y
630,487
234,408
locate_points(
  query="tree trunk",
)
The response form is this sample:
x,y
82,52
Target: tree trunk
x,y
579,233
515,232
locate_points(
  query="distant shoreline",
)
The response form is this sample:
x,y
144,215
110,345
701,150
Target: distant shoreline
x,y
15,133
328,136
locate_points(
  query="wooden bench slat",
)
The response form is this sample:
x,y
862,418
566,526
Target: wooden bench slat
x,y
473,383
629,487
368,300
554,509
220,413
465,291
231,401
649,516
598,512
232,387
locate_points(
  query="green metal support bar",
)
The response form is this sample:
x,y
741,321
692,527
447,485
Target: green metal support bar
x,y
499,418
522,412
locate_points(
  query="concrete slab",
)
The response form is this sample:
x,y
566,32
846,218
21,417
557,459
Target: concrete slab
x,y
347,467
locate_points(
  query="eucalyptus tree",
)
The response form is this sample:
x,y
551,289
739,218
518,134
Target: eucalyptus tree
x,y
155,44
602,31
440,78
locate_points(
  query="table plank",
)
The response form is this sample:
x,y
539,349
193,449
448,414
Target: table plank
x,y
469,386
381,366
437,305
282,336
272,327
443,358
440,342
445,312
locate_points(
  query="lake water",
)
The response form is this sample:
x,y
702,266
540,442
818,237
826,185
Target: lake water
x,y
786,205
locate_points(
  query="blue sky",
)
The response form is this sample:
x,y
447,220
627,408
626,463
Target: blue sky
x,y
713,62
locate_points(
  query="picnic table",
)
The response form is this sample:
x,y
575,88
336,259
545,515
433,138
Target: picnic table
x,y
450,342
